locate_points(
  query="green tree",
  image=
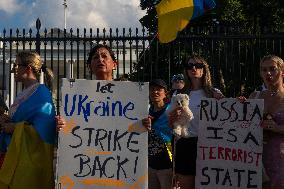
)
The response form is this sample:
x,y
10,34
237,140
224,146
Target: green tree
x,y
150,20
253,17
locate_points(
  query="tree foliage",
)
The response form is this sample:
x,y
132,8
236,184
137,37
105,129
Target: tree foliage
x,y
251,16
254,17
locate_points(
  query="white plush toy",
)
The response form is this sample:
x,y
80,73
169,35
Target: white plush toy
x,y
181,125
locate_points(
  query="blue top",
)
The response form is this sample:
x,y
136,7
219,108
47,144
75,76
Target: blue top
x,y
39,111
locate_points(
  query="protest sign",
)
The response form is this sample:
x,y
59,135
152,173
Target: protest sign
x,y
104,144
229,144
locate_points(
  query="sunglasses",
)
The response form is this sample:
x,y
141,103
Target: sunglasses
x,y
190,66
16,67
19,65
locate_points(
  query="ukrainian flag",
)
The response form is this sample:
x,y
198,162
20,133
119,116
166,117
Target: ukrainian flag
x,y
174,15
27,158
162,129
28,163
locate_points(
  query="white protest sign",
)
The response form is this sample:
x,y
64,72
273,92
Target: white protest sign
x,y
104,144
229,144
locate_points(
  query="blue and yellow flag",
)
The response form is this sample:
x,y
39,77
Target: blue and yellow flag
x,y
29,150
164,132
174,15
28,162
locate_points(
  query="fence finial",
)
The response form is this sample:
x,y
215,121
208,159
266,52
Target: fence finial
x,y
38,24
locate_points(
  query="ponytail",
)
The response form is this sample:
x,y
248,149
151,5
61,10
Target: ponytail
x,y
48,77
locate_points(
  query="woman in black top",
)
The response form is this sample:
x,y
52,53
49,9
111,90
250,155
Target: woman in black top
x,y
159,138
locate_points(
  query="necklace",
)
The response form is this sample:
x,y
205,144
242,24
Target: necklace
x,y
273,92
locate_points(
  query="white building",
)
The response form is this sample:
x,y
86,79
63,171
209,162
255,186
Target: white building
x,y
65,60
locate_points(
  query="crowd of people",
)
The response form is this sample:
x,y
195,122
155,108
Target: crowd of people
x,y
32,114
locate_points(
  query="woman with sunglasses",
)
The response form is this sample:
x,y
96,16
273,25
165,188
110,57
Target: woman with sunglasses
x,y
29,135
197,85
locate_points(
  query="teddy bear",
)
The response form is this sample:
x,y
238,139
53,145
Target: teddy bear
x,y
180,126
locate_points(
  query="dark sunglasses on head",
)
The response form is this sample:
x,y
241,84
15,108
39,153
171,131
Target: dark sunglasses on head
x,y
178,77
189,66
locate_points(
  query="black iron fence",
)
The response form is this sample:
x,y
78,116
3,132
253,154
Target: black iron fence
x,y
233,56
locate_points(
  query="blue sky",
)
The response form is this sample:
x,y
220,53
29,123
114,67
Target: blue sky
x,y
80,13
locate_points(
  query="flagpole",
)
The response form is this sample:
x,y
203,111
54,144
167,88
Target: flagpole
x,y
65,7
148,47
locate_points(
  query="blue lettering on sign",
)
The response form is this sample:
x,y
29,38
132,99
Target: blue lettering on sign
x,y
106,108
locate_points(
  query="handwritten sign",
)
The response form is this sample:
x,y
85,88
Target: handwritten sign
x,y
229,144
104,144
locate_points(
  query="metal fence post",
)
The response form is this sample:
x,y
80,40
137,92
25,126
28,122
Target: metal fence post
x,y
38,25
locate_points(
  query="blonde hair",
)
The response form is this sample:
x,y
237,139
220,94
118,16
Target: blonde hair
x,y
206,77
276,59
33,60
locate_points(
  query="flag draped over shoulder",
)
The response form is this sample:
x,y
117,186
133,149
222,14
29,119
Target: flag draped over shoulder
x,y
28,162
162,129
174,15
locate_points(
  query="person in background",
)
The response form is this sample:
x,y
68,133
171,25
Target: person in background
x,y
197,85
30,131
159,138
177,84
272,73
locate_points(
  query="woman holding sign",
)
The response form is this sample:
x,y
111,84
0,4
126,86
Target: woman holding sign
x,y
29,135
272,73
198,85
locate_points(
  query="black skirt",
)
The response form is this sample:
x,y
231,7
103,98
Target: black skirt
x,y
186,153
